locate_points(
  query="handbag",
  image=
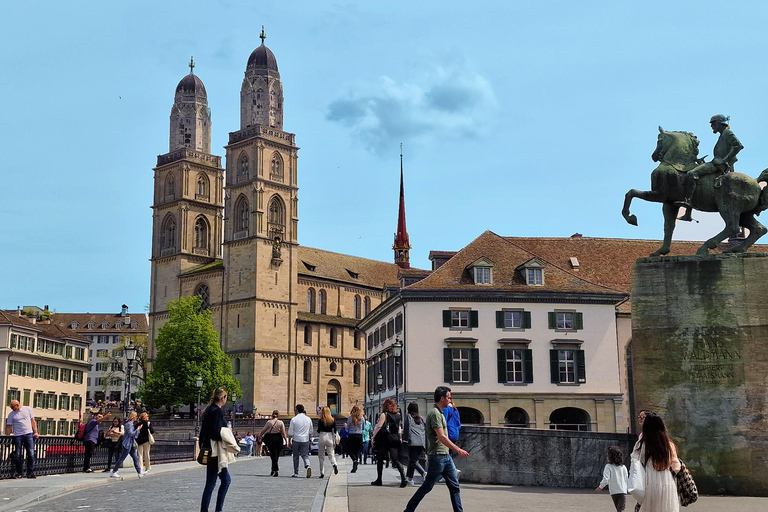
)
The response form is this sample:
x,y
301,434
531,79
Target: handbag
x,y
151,438
686,487
203,456
336,438
636,482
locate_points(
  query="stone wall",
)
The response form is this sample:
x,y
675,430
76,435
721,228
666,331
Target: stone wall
x,y
700,360
549,458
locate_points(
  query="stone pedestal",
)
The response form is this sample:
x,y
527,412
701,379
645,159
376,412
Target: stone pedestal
x,y
700,360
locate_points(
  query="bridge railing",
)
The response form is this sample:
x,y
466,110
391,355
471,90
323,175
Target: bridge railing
x,y
57,454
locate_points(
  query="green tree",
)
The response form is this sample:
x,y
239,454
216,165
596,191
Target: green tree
x,y
187,347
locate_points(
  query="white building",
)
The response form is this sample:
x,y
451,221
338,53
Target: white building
x,y
520,340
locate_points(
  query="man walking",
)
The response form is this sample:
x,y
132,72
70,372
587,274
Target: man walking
x,y
299,433
438,452
21,422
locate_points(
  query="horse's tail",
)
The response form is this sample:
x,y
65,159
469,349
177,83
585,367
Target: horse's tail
x,y
762,202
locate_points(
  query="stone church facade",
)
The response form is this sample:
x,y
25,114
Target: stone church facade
x,y
286,314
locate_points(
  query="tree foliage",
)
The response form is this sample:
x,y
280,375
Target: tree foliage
x,y
187,347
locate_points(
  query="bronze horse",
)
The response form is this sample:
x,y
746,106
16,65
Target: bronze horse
x,y
737,197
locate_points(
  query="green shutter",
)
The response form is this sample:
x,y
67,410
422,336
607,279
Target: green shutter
x,y
578,321
581,367
552,316
473,319
447,318
499,319
554,365
501,358
474,365
527,366
448,365
526,319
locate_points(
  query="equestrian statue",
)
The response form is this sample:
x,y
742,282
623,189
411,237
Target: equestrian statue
x,y
682,180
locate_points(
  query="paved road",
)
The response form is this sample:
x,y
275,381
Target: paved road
x,y
252,489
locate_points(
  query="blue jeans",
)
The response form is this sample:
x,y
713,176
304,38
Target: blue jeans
x,y
438,465
27,441
211,471
124,452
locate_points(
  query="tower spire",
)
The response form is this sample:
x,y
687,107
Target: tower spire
x,y
402,245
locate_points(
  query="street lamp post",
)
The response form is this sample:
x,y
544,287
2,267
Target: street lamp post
x,y
254,417
379,382
199,384
397,351
130,356
234,409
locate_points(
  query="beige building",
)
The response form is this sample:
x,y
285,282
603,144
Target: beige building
x,y
44,366
286,314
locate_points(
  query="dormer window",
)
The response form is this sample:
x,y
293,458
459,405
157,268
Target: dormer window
x,y
118,325
309,267
353,275
91,325
482,271
533,272
73,325
105,325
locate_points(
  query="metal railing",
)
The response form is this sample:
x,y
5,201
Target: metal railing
x,y
56,455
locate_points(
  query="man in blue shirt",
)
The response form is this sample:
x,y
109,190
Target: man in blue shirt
x,y
21,422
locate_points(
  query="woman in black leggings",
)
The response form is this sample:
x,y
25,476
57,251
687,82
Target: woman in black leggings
x,y
273,435
387,440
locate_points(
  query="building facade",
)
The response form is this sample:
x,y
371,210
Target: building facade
x,y
519,340
108,333
286,314
45,367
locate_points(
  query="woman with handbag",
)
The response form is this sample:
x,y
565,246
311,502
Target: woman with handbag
x,y
145,441
273,435
658,455
326,429
129,446
386,440
210,430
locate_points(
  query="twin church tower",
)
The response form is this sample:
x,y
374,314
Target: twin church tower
x,y
286,313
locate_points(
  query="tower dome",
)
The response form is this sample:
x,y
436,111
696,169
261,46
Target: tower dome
x,y
192,84
261,95
262,58
190,115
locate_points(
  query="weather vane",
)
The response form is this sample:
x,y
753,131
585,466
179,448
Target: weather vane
x,y
191,66
263,35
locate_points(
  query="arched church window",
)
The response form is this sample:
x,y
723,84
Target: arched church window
x,y
323,302
275,366
170,185
276,167
201,233
357,306
168,233
242,214
332,338
307,335
236,366
307,372
204,294
242,168
202,185
366,306
276,212
356,374
311,300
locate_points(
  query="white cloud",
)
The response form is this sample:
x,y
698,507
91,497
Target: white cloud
x,y
443,104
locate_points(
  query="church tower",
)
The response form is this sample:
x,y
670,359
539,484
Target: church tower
x,y
188,201
260,238
402,245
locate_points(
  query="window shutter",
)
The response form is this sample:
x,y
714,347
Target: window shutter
x,y
527,366
526,319
474,364
447,318
554,365
578,321
448,365
473,319
499,319
581,367
552,316
501,359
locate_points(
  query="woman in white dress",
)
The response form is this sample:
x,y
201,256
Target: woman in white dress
x,y
658,454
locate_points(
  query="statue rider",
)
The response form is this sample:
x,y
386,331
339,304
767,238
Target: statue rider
x,y
726,149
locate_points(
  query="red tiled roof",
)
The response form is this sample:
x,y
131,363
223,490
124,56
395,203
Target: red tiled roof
x,y
506,257
51,330
66,319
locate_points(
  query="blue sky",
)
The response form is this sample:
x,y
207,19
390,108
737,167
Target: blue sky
x,y
525,118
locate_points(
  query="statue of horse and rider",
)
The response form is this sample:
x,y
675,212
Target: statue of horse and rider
x,y
683,180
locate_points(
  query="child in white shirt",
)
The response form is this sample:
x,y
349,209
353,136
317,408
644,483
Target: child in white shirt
x,y
615,477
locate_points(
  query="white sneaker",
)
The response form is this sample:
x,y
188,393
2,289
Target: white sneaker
x,y
147,470
410,481
114,474
142,474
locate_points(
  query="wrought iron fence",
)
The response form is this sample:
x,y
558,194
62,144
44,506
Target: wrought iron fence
x,y
55,455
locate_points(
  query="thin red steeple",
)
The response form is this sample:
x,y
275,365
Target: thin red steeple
x,y
402,245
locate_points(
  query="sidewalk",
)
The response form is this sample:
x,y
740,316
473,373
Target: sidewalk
x,y
349,492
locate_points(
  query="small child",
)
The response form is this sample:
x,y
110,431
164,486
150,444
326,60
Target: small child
x,y
615,477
